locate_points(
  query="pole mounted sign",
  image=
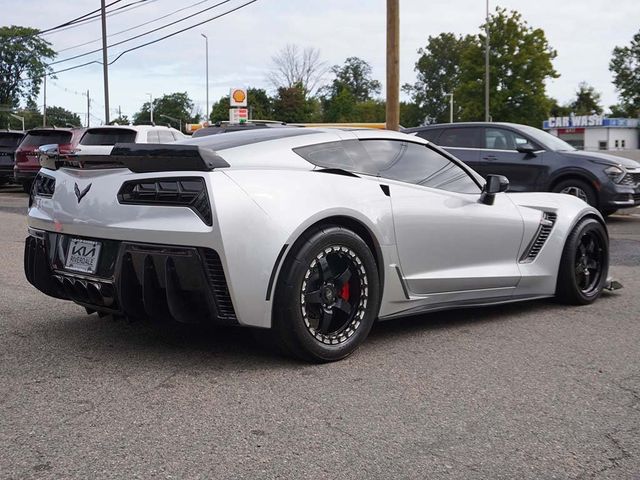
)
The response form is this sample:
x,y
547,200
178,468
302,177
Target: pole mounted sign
x,y
238,97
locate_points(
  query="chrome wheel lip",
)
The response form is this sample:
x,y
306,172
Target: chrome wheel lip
x,y
576,192
587,256
349,329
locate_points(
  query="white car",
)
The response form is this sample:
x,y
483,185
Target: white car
x,y
313,233
100,140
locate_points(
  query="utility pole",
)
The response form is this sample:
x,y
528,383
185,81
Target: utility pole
x,y
487,113
88,110
206,50
105,64
44,107
393,64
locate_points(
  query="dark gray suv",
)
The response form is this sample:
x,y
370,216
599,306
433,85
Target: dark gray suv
x,y
534,160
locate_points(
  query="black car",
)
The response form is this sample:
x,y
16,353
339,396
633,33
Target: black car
x,y
534,161
9,141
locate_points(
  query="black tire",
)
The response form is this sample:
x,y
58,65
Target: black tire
x,y
578,188
608,211
26,187
584,264
327,296
4,181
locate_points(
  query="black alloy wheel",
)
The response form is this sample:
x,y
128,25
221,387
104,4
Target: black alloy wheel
x,y
327,296
578,188
585,263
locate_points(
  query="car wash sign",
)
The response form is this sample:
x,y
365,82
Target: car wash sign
x,y
574,121
582,121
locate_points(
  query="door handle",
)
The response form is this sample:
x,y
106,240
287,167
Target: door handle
x,y
490,157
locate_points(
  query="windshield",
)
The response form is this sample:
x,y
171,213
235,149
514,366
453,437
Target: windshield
x,y
108,136
10,139
551,142
44,137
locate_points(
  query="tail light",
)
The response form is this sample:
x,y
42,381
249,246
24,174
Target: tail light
x,y
188,192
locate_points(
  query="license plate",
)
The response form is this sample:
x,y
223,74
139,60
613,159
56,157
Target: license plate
x,y
82,255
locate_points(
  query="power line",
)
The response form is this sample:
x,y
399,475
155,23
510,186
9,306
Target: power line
x,y
116,11
142,34
70,22
152,42
137,26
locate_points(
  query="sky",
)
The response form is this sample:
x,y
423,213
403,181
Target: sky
x,y
242,44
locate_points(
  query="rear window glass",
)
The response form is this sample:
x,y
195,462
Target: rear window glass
x,y
430,135
35,139
461,138
165,136
10,139
108,136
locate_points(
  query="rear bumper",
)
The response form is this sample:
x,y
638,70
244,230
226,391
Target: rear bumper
x,y
159,282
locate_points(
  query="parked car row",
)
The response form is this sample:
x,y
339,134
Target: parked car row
x,y
19,150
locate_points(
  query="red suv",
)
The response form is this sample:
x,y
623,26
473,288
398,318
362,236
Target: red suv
x,y
27,162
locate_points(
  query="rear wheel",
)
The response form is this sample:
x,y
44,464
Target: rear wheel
x,y
327,297
584,264
578,188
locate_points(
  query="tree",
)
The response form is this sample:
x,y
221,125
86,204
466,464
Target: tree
x,y
23,56
521,62
293,67
625,66
354,76
175,105
558,110
438,70
61,117
290,105
120,120
587,101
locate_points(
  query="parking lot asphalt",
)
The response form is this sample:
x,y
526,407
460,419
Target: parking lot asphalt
x,y
529,391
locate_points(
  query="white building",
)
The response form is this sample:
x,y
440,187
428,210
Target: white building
x,y
595,132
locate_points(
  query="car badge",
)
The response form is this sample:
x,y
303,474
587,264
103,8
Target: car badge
x,y
80,194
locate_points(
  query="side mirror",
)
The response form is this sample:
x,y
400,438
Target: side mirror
x,y
526,148
495,184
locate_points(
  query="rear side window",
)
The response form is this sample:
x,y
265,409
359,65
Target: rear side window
x,y
461,138
430,135
152,136
165,136
108,136
10,139
36,139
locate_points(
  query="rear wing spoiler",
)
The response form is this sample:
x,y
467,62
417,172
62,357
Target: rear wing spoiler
x,y
137,157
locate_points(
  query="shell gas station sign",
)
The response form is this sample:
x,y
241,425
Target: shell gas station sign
x,y
238,97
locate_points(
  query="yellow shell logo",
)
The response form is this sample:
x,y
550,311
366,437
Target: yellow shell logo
x,y
238,96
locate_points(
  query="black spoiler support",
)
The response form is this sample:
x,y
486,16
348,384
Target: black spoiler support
x,y
139,158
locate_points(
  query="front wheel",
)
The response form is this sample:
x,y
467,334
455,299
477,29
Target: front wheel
x,y
578,188
584,264
327,297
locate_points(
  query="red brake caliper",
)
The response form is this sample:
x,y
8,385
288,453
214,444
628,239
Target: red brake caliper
x,y
344,293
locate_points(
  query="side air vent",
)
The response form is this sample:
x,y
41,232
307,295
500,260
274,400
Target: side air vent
x,y
218,283
44,185
169,192
544,230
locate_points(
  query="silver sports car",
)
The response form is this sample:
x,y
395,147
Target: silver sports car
x,y
312,233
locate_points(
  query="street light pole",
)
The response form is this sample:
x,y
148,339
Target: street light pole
x,y
450,95
206,49
487,113
150,107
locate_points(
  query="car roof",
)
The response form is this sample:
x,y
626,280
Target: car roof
x,y
461,124
138,128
